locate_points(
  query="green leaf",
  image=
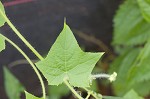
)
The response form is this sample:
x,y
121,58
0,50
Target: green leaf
x,y
2,43
142,65
131,32
94,86
117,63
12,86
145,52
30,96
145,9
132,95
130,28
129,95
126,18
2,11
132,71
111,97
144,90
56,92
122,65
66,60
147,1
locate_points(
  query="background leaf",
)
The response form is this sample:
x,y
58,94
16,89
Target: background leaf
x,y
139,73
132,95
12,86
30,96
2,20
122,66
56,92
131,42
130,28
66,60
145,9
111,97
2,43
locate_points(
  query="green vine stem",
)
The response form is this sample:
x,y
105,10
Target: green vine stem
x,y
20,62
72,89
95,95
20,36
89,94
30,62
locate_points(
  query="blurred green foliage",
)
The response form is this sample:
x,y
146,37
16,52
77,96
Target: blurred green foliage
x,y
13,87
132,95
131,41
56,92
30,96
129,95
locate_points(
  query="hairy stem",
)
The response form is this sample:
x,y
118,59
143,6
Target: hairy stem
x,y
30,62
72,89
20,36
111,77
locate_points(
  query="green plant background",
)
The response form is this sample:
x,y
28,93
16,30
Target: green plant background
x,y
131,59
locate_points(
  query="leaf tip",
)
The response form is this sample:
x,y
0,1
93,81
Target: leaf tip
x,y
65,24
64,20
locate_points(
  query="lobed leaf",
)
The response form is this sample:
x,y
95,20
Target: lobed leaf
x,y
13,87
66,60
30,96
2,11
